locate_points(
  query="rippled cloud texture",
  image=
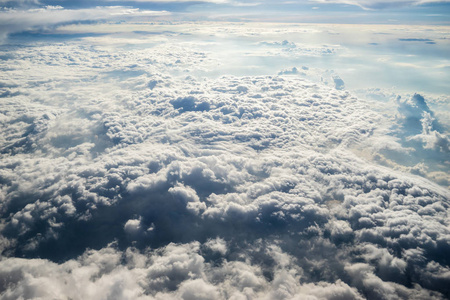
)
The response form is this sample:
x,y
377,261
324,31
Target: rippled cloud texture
x,y
145,161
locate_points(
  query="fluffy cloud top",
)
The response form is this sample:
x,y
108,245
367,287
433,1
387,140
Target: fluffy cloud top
x,y
123,174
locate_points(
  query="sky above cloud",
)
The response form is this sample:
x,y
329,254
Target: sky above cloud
x,y
423,11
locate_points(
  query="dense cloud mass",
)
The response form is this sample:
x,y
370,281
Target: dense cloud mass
x,y
126,176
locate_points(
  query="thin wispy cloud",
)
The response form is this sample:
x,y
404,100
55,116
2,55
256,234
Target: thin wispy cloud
x,y
376,4
17,20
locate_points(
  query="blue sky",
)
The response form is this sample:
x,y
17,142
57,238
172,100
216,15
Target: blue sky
x,y
319,11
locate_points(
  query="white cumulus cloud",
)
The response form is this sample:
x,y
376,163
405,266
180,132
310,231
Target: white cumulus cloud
x,y
126,172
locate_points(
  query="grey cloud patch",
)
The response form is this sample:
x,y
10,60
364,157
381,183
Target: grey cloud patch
x,y
338,82
293,71
162,185
189,104
415,40
284,44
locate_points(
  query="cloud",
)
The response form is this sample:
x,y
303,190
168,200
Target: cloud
x,y
124,172
432,138
419,138
419,124
375,4
415,40
18,20
217,245
177,271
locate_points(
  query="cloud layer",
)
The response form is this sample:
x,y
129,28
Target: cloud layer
x,y
123,174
